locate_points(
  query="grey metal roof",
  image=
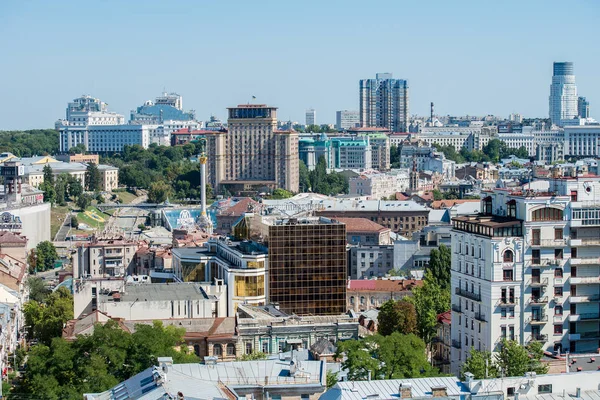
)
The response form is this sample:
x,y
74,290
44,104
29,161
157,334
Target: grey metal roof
x,y
389,388
160,291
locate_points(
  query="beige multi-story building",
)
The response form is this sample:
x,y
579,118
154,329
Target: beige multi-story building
x,y
104,257
34,170
253,153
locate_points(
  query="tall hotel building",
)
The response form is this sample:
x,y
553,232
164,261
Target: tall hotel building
x,y
528,269
307,266
563,93
252,153
384,103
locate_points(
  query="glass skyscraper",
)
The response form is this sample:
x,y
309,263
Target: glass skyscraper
x,y
563,93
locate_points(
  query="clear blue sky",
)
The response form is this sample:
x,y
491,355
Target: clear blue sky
x,y
469,57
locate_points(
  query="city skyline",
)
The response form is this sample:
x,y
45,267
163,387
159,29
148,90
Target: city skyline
x,y
457,59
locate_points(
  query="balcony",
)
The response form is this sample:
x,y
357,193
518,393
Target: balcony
x,y
585,260
456,308
538,282
584,242
511,301
585,299
537,319
538,300
545,262
538,338
548,242
584,280
593,335
456,344
480,317
584,317
468,295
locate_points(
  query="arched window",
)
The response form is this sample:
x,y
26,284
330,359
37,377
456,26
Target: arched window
x,y
217,350
351,299
372,300
508,256
231,349
547,214
362,299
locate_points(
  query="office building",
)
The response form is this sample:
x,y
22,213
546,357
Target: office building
x,y
384,102
311,117
526,269
563,93
581,141
252,154
307,266
346,119
376,186
380,145
583,108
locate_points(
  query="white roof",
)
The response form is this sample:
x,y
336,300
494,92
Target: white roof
x,y
389,388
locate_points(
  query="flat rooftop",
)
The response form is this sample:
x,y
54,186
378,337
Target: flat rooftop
x,y
157,292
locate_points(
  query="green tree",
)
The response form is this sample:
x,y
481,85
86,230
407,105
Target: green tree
x,y
74,221
515,360
395,156
439,266
37,289
45,321
158,192
437,195
255,355
396,356
45,255
48,174
304,176
83,202
74,187
49,192
93,178
30,143
331,378
429,300
313,129
79,149
480,364
281,194
397,316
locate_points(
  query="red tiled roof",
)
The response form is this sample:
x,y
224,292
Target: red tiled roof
x,y
383,285
401,196
361,225
445,317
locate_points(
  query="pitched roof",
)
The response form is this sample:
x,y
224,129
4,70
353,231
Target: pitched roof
x,y
439,204
383,285
7,237
445,317
360,225
239,208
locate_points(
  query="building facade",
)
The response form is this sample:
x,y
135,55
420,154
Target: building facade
x,y
563,93
307,266
346,119
384,102
311,117
583,108
526,269
252,153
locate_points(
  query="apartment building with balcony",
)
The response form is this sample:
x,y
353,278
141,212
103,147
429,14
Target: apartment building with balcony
x,y
104,258
528,268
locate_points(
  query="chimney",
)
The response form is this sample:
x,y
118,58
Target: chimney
x,y
405,390
578,392
469,380
439,391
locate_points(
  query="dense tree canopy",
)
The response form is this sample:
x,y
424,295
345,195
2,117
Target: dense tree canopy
x,y
45,320
429,300
326,183
439,265
36,142
44,256
395,356
397,316
93,178
493,151
95,363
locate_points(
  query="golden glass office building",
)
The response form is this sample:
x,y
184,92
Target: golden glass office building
x,y
307,266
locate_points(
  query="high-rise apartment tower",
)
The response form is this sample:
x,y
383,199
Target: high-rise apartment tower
x,y
384,103
563,93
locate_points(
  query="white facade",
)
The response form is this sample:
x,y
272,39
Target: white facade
x,y
518,140
377,186
528,270
563,93
311,117
346,119
582,140
459,137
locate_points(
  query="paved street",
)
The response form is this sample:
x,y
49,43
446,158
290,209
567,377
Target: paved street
x,y
64,229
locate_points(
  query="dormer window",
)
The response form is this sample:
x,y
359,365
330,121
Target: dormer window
x,y
487,205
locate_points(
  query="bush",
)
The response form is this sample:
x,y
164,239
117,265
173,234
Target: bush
x,y
74,222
